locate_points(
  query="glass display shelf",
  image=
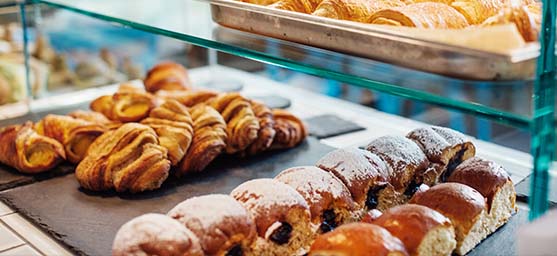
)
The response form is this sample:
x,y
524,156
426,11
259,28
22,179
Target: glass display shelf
x,y
190,21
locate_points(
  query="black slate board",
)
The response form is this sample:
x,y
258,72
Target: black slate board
x,y
523,190
503,241
87,222
325,126
274,101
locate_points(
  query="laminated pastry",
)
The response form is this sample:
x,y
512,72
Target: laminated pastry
x,y
222,224
260,2
126,159
76,135
209,139
475,11
174,126
464,206
330,202
494,183
290,130
266,132
527,19
423,231
167,76
303,6
242,125
155,234
406,161
22,148
353,10
358,239
188,98
421,15
365,175
445,149
124,106
281,216
95,117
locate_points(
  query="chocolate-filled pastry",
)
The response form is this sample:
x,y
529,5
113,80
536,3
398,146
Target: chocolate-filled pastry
x,y
406,161
24,149
303,6
222,224
209,139
188,98
76,135
266,132
421,15
358,239
173,124
155,234
124,106
126,159
242,125
353,10
445,148
330,202
365,175
167,76
464,206
95,117
290,130
494,183
281,215
423,231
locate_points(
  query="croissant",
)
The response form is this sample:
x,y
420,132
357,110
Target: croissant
x,y
167,76
124,106
126,159
260,2
475,11
76,135
353,10
241,124
304,6
209,139
290,130
526,18
187,98
95,117
27,151
173,124
421,15
266,132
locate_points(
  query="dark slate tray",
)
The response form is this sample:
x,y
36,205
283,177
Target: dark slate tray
x,y
503,241
326,126
523,190
87,222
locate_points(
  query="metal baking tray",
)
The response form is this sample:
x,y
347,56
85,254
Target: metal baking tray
x,y
378,44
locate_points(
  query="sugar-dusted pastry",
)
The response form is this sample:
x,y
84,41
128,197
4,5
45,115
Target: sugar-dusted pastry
x,y
353,10
76,135
423,231
475,11
95,117
527,19
124,106
242,125
24,149
188,98
155,234
167,76
494,183
358,239
173,124
223,226
421,15
266,132
303,6
290,130
126,159
281,215
209,139
330,202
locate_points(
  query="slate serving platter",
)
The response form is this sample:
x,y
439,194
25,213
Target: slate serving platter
x,y
328,125
87,222
523,190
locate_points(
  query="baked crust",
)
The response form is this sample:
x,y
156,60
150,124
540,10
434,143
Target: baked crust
x,y
290,130
167,76
421,15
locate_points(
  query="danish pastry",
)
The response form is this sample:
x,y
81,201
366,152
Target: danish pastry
x,y
167,76
290,130
421,15
95,117
124,106
188,98
266,132
353,10
303,6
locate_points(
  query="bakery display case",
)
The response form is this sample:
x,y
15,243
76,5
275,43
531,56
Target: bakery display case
x,y
167,128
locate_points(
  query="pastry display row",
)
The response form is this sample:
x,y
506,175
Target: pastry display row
x,y
423,194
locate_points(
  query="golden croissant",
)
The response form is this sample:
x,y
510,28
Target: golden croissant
x,y
266,132
475,11
353,10
167,76
260,2
187,98
126,159
95,117
290,130
209,139
421,15
76,135
124,106
303,6
173,124
241,124
27,151
526,18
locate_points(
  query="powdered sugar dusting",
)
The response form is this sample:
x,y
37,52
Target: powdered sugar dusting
x,y
263,194
451,136
398,151
430,141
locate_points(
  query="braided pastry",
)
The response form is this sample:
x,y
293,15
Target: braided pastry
x,y
173,124
167,76
75,134
124,106
188,98
27,151
241,124
290,131
209,139
126,159
266,132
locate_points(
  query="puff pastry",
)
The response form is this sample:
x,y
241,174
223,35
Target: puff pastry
x,y
126,159
421,15
527,19
124,106
266,132
187,98
475,11
173,124
241,124
167,76
353,10
95,117
260,2
27,151
290,131
76,135
304,6
209,139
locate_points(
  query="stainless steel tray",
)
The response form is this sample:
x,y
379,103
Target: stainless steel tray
x,y
370,42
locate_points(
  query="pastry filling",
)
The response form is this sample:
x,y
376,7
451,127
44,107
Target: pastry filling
x,y
372,200
282,234
453,163
329,223
235,251
412,188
